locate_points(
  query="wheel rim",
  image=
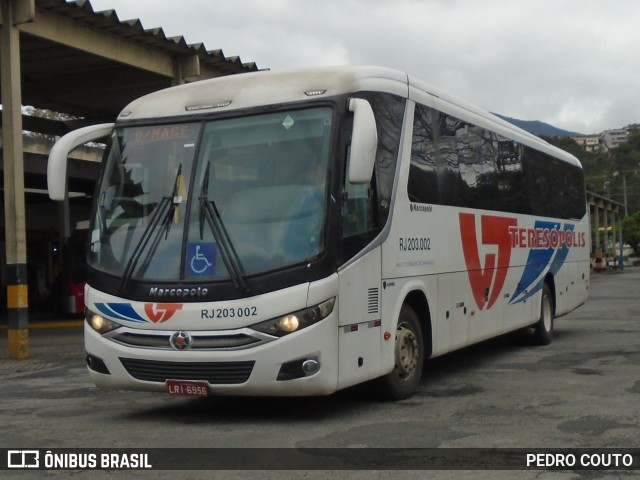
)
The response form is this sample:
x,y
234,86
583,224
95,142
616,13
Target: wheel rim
x,y
407,351
546,312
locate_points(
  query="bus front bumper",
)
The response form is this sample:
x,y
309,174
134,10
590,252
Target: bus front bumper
x,y
302,363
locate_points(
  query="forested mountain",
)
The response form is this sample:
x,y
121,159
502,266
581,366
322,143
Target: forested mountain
x,y
538,128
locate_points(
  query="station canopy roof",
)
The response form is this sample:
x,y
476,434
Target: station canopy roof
x,y
91,64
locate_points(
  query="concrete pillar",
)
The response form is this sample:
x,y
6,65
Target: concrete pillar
x,y
614,233
606,230
185,69
596,211
13,12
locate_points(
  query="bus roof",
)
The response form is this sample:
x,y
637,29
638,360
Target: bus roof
x,y
267,87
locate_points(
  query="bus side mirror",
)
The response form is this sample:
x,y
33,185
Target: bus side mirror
x,y
57,164
364,142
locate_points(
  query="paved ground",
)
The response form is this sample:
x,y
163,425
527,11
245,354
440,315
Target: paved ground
x,y
583,390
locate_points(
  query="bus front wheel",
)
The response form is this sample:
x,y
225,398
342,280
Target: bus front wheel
x,y
403,380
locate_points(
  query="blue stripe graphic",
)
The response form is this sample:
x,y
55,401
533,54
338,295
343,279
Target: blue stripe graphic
x,y
119,311
539,262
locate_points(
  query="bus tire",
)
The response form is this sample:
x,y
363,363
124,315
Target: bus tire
x,y
403,380
543,333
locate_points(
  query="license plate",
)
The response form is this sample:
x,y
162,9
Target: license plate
x,y
186,388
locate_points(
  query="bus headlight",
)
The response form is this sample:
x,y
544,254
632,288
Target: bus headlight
x,y
295,321
99,323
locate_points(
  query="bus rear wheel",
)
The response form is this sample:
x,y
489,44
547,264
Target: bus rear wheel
x,y
403,380
543,332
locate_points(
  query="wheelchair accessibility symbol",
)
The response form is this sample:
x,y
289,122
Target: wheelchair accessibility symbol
x,y
201,259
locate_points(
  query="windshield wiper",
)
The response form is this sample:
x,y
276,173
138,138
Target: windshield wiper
x,y
209,211
163,212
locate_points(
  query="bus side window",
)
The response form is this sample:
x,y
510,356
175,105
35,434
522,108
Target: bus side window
x,y
357,214
358,217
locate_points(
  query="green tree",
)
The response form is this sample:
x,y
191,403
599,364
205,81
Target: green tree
x,y
625,174
598,166
631,231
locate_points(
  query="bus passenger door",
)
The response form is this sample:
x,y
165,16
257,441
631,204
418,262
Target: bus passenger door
x,y
359,336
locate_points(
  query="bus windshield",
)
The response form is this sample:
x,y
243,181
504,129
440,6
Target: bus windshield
x,y
257,201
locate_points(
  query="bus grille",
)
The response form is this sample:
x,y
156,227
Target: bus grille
x,y
212,372
198,342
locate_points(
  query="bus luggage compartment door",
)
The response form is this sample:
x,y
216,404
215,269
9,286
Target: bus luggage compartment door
x,y
359,329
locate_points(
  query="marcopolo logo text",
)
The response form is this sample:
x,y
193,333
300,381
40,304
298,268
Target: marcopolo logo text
x,y
178,292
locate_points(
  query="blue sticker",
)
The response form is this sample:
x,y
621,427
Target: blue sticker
x,y
201,259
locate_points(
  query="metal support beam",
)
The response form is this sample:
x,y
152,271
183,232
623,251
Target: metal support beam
x,y
14,201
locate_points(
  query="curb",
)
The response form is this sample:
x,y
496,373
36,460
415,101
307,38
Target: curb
x,y
54,324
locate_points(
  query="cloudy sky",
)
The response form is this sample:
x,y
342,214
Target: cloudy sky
x,y
572,63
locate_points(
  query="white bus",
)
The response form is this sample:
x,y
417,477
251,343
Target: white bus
x,y
299,232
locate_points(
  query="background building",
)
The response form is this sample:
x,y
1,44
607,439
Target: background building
x,y
614,138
